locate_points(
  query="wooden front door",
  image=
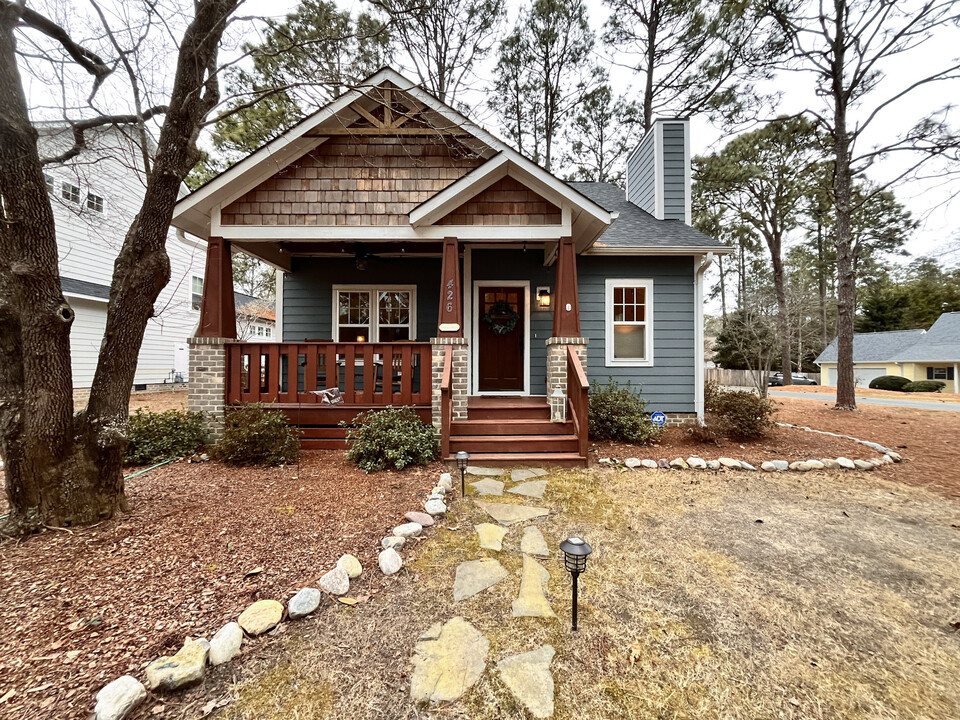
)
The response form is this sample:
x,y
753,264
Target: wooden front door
x,y
501,336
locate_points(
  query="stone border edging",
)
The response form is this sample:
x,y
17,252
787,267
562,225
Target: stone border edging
x,y
120,697
724,463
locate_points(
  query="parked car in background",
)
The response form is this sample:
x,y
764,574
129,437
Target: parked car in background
x,y
776,380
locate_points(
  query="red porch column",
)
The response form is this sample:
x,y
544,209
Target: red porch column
x,y
566,311
218,317
451,303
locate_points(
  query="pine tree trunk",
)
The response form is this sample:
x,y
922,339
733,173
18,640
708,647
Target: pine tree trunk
x,y
783,319
846,274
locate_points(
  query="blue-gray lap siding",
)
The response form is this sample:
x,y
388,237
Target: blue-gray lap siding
x,y
669,384
308,292
674,173
641,177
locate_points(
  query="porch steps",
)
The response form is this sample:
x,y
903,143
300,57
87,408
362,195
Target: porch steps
x,y
512,430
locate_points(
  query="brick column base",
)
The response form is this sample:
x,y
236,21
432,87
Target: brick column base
x,y
557,360
458,385
206,389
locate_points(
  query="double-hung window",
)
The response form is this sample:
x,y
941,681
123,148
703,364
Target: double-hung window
x,y
196,292
95,202
374,314
629,322
70,192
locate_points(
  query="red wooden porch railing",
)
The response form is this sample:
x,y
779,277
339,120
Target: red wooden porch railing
x,y
578,390
366,373
446,402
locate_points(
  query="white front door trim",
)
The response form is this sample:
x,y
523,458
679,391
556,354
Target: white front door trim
x,y
475,335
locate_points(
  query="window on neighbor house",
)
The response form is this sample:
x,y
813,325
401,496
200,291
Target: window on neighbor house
x,y
70,192
196,292
629,322
268,332
374,314
48,179
95,202
939,373
260,330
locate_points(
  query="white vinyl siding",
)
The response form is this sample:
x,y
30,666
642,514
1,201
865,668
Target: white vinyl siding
x,y
629,322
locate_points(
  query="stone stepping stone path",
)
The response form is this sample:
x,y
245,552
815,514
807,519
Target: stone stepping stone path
x,y
511,514
534,489
532,600
475,576
488,472
491,536
528,677
526,473
448,660
488,487
533,542
450,657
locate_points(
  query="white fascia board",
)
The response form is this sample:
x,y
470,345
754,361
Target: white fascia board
x,y
81,296
394,233
655,250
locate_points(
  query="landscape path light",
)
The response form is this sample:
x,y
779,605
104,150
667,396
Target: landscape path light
x,y
462,459
575,552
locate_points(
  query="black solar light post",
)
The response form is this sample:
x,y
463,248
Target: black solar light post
x,y
462,459
575,552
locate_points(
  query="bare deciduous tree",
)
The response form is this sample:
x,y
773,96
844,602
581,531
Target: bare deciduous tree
x,y
64,468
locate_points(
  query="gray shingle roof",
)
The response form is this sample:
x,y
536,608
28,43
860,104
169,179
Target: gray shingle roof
x,y
82,287
635,227
940,343
874,347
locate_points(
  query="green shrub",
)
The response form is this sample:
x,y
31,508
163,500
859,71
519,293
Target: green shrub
x,y
158,436
924,386
888,382
254,435
393,437
737,414
619,413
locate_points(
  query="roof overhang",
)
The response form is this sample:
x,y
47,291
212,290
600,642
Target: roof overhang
x,y
599,249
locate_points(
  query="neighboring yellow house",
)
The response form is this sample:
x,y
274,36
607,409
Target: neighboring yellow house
x,y
932,354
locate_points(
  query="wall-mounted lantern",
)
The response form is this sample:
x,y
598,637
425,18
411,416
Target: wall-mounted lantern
x,y
558,406
575,552
544,299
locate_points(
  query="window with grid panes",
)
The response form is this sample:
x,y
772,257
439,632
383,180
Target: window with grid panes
x,y
374,314
629,311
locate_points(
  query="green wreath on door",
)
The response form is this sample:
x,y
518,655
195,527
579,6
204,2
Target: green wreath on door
x,y
501,318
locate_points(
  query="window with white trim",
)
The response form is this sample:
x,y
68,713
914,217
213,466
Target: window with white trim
x,y
48,179
95,202
940,373
70,192
629,322
196,292
374,314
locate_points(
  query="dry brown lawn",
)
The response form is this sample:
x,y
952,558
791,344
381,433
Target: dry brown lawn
x,y
736,595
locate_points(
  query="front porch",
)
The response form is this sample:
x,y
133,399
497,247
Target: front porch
x,y
475,388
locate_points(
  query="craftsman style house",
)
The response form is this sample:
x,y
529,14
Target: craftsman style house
x,y
424,262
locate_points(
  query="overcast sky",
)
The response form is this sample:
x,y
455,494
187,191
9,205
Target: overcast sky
x,y
936,204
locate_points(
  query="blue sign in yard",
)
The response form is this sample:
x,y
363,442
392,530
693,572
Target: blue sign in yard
x,y
658,419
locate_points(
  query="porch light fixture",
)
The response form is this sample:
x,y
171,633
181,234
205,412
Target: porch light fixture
x,y
463,458
543,298
575,552
558,406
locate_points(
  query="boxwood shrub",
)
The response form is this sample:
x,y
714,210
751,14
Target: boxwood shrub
x,y
254,435
619,413
889,382
157,436
924,386
393,437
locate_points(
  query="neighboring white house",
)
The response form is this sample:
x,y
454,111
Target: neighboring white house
x,y
256,318
95,196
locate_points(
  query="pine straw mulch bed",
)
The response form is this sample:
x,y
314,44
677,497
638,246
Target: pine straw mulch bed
x,y
84,606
